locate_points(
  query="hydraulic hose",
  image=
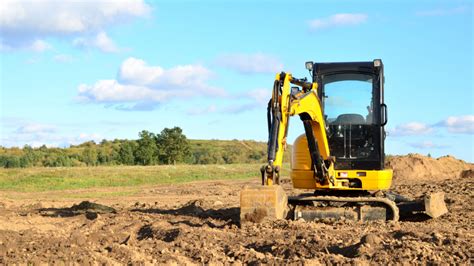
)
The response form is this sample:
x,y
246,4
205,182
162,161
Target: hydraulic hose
x,y
275,119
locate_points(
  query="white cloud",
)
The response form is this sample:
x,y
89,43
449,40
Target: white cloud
x,y
240,108
443,12
458,124
63,58
101,41
22,22
4,47
412,128
35,128
18,131
31,45
50,140
251,100
233,108
109,91
136,71
64,17
33,60
22,132
453,124
33,134
427,145
182,80
250,63
40,46
342,19
198,110
144,86
84,137
259,96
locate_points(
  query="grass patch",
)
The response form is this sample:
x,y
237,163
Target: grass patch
x,y
69,178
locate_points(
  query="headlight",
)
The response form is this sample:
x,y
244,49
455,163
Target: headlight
x,y
377,63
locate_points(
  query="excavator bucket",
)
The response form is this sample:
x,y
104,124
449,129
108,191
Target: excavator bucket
x,y
259,203
431,204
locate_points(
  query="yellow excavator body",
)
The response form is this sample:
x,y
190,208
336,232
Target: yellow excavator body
x,y
302,174
341,156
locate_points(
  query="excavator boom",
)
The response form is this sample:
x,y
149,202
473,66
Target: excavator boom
x,y
288,101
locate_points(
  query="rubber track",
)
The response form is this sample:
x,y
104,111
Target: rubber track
x,y
387,202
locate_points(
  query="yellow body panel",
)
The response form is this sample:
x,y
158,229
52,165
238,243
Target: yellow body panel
x,y
303,177
308,105
373,179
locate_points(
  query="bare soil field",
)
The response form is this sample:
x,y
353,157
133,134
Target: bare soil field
x,y
198,222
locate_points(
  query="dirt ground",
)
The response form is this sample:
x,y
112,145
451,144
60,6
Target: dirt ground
x,y
198,223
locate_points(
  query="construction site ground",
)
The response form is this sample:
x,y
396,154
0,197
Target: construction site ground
x,y
198,222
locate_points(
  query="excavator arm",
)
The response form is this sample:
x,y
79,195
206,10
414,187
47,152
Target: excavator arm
x,y
287,101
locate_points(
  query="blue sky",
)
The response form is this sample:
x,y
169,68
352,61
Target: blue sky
x,y
75,71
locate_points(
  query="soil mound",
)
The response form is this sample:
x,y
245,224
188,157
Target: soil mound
x,y
418,167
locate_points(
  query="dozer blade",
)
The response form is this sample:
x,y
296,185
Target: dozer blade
x,y
431,204
259,203
435,205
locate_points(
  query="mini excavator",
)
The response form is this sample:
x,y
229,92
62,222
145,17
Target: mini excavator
x,y
340,157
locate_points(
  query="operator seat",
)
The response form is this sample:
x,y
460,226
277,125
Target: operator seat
x,y
344,127
346,119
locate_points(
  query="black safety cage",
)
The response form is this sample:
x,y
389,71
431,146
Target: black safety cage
x,y
375,132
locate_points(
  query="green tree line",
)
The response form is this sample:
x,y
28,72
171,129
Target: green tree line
x,y
170,146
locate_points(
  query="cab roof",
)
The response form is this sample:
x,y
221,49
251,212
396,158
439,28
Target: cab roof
x,y
344,67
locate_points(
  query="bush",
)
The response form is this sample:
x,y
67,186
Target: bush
x,y
10,161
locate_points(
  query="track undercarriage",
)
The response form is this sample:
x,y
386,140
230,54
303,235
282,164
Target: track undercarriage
x,y
310,207
271,202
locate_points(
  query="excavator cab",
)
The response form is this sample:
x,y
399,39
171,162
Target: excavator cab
x,y
351,95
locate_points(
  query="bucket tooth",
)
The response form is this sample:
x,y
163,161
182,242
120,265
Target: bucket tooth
x,y
259,203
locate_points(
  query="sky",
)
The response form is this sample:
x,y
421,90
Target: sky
x,y
73,71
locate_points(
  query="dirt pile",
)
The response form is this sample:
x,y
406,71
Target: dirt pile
x,y
416,167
